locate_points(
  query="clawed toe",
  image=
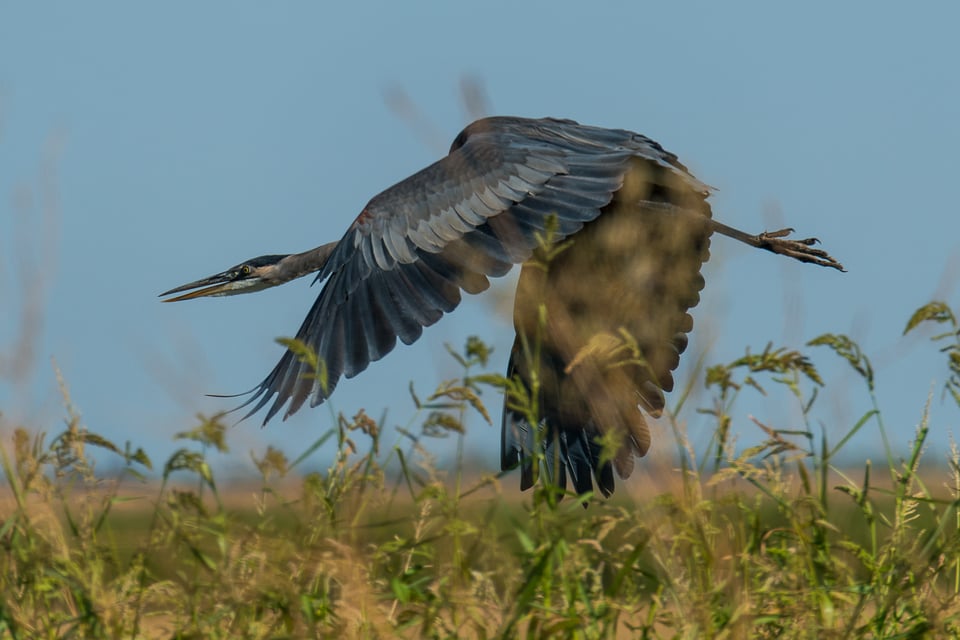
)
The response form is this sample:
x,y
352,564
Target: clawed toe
x,y
776,242
783,233
798,249
780,233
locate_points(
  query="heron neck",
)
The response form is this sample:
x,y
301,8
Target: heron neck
x,y
297,265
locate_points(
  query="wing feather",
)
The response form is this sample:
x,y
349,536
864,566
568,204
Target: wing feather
x,y
470,216
357,350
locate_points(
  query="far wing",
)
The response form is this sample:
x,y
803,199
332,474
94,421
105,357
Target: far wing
x,y
471,215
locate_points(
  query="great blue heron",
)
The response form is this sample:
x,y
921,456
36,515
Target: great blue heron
x,y
600,323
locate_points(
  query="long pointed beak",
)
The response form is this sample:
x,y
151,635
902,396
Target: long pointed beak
x,y
221,284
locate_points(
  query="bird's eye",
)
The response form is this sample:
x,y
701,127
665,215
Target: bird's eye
x,y
245,270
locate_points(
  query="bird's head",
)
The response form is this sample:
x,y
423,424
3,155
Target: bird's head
x,y
251,275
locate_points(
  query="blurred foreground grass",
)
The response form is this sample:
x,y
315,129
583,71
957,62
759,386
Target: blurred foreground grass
x,y
767,541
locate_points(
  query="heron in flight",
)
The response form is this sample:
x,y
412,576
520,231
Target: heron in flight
x,y
601,313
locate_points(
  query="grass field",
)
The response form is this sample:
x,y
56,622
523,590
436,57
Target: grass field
x,y
767,541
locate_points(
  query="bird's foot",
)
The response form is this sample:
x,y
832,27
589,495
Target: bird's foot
x,y
801,250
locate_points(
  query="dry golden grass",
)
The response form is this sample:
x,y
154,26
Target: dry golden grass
x,y
769,541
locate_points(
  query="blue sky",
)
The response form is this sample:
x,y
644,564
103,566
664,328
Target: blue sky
x,y
145,146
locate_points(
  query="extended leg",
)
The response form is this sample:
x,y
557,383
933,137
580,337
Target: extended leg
x,y
776,242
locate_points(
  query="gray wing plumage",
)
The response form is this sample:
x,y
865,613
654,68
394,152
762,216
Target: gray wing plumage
x,y
447,228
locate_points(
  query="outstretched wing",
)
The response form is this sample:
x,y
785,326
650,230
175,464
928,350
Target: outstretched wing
x,y
473,214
